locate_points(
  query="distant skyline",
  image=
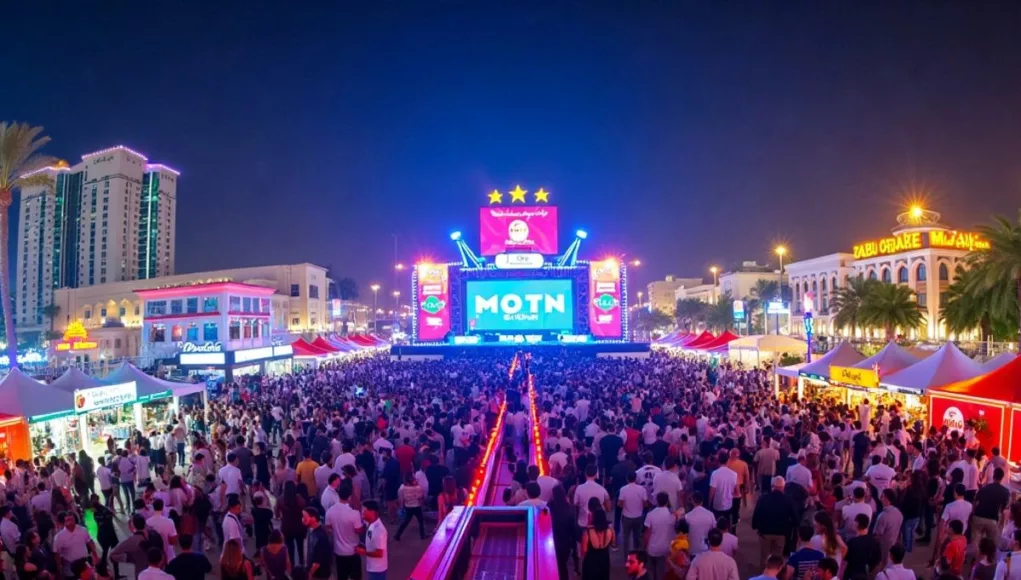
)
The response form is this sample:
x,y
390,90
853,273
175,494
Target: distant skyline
x,y
684,134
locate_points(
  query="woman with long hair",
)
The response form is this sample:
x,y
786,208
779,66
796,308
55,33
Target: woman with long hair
x,y
289,510
233,563
450,496
826,539
595,547
275,559
564,522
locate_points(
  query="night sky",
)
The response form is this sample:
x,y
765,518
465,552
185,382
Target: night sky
x,y
681,133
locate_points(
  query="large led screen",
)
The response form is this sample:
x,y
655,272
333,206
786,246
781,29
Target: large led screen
x,y
433,302
519,305
531,229
604,299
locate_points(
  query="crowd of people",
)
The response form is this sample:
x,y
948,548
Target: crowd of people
x,y
319,473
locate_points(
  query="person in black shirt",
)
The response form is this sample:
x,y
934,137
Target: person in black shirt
x,y
990,503
912,506
609,447
188,565
864,554
320,546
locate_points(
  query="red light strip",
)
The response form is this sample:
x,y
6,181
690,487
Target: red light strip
x,y
481,472
540,456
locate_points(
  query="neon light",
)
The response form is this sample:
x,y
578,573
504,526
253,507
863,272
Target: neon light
x,y
160,166
47,168
493,436
114,148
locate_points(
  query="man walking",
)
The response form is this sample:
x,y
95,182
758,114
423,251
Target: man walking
x,y
774,519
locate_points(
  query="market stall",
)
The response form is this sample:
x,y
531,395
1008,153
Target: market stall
x,y
860,381
998,361
720,344
40,414
758,349
814,377
908,387
157,400
989,403
697,341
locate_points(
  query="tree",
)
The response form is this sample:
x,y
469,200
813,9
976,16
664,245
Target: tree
x,y
890,306
763,292
1000,262
993,312
347,288
689,312
647,321
51,311
720,316
847,302
19,155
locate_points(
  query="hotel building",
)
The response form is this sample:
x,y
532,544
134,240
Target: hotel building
x,y
921,253
109,218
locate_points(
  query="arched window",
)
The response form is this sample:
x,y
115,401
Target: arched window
x,y
815,287
920,275
944,273
886,276
833,284
872,274
822,284
902,275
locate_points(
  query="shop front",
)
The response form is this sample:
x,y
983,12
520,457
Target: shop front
x,y
215,364
108,412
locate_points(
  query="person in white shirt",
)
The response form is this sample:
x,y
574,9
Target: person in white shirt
x,y
700,521
589,489
376,549
231,476
632,500
722,484
154,571
959,509
232,527
669,482
9,532
533,493
879,474
851,510
800,474
346,525
649,432
547,484
646,476
729,544
345,458
164,526
72,543
330,497
105,477
659,533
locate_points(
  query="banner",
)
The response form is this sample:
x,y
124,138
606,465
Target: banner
x,y
604,299
851,376
433,290
518,229
520,305
86,400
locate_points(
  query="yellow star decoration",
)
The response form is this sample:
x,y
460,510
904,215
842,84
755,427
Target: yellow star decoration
x,y
495,197
542,195
518,194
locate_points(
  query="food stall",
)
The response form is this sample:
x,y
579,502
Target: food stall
x,y
908,387
860,381
38,413
814,377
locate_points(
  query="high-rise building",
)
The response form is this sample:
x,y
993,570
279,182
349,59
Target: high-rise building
x,y
109,218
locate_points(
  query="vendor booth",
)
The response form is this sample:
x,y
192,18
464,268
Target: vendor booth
x,y
990,404
908,387
756,350
998,361
815,376
860,381
39,414
720,344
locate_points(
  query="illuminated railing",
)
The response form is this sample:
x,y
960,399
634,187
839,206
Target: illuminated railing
x,y
538,456
487,466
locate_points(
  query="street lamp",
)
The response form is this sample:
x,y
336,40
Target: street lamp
x,y
375,301
715,271
636,263
780,251
639,298
397,308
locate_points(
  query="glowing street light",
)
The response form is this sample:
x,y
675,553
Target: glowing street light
x,y
636,263
375,307
399,267
640,298
716,282
780,251
917,211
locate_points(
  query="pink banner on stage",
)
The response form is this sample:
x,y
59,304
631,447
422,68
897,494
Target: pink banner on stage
x,y
433,302
518,229
604,299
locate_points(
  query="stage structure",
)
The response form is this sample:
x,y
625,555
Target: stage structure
x,y
518,289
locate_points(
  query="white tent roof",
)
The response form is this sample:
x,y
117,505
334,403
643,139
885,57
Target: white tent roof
x,y
791,371
148,384
769,343
73,379
889,360
843,355
998,361
23,396
947,365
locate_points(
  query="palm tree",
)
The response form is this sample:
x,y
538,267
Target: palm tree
x,y
721,315
847,302
1000,262
648,321
993,312
19,154
51,311
689,312
761,293
890,306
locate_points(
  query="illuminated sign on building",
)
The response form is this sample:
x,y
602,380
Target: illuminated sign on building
x,y
908,241
76,338
851,376
105,396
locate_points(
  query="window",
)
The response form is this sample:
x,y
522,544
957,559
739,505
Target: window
x,y
122,311
136,309
921,277
158,333
155,307
923,299
176,307
176,333
88,314
210,332
210,304
295,290
246,304
313,291
192,305
246,328
294,321
886,276
116,343
265,329
872,274
944,273
102,312
235,304
192,334
235,329
902,275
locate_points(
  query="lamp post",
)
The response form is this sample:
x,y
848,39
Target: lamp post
x,y
716,294
375,301
640,298
397,308
780,251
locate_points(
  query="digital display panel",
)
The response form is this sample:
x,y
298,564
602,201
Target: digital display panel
x,y
527,229
433,288
519,305
604,299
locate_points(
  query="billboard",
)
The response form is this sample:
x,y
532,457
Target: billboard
x,y
604,299
433,291
520,305
531,229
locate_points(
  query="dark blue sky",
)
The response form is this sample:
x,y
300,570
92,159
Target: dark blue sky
x,y
683,133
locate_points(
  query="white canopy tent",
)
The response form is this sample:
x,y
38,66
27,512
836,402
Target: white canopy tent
x,y
74,379
759,348
947,365
842,355
890,359
23,396
150,385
